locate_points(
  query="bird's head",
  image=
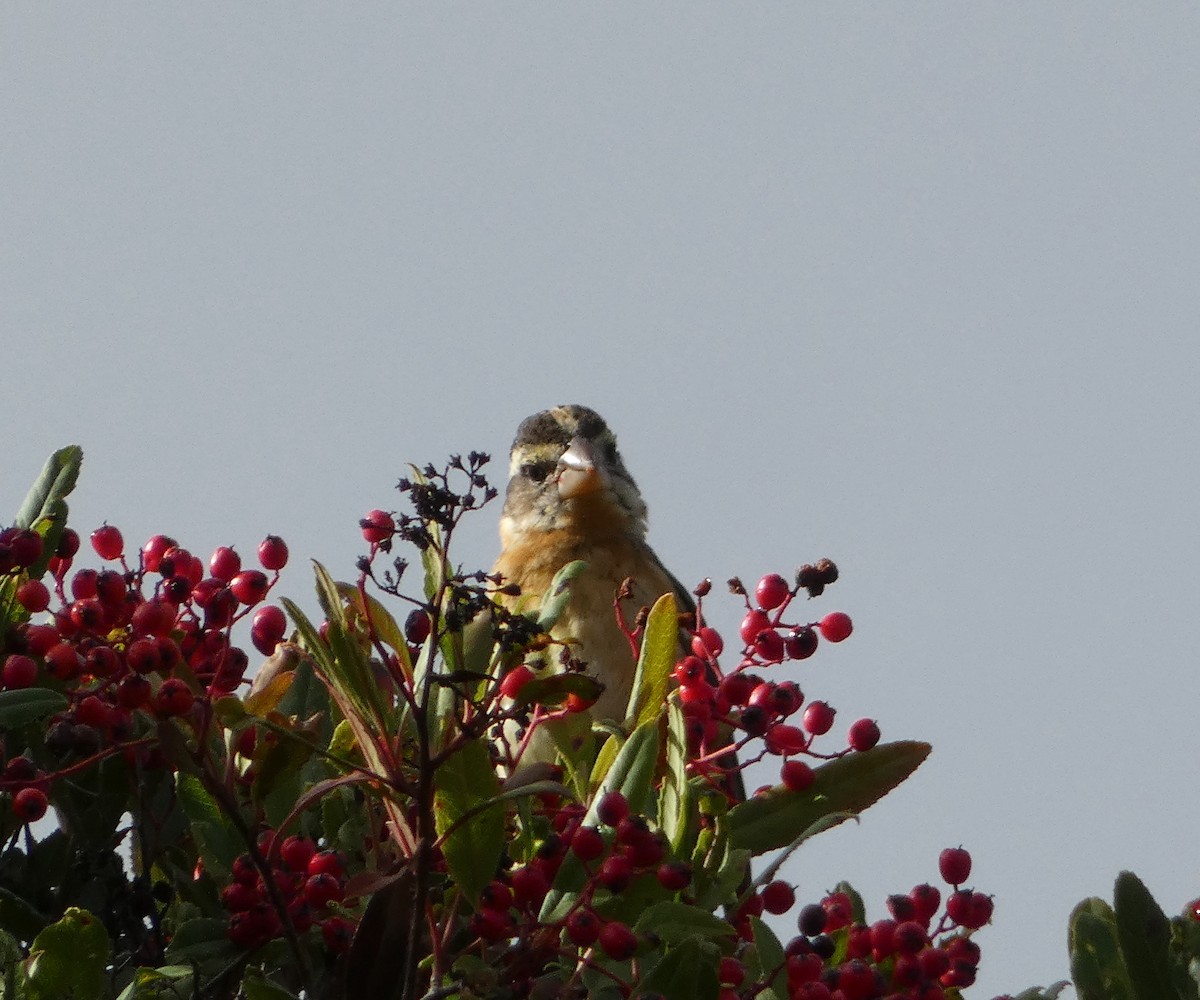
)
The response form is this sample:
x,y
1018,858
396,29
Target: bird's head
x,y
564,469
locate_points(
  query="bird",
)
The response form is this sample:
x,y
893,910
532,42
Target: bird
x,y
570,497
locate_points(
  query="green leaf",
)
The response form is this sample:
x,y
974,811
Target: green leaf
x,y
554,601
1097,968
676,801
553,689
68,959
257,987
686,972
632,773
168,982
858,912
46,502
673,922
660,646
768,957
19,708
1144,934
216,838
472,849
847,785
203,940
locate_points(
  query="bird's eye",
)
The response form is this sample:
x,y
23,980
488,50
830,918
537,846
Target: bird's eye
x,y
537,471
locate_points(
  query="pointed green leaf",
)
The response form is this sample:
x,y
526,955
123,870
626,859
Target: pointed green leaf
x,y
20,707
660,646
1145,935
554,600
55,483
847,785
686,971
1097,968
672,922
68,959
769,957
472,849
632,773
45,507
675,803
216,838
553,689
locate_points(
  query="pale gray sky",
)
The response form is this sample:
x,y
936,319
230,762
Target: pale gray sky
x,y
913,286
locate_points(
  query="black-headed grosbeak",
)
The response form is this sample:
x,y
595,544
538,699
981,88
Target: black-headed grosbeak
x,y
570,497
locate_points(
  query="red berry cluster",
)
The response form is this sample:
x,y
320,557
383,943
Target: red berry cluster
x,y
744,701
907,956
147,636
306,884
619,849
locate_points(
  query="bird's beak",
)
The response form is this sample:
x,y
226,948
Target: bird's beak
x,y
578,472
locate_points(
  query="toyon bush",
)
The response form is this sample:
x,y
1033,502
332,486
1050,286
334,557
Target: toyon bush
x,y
402,800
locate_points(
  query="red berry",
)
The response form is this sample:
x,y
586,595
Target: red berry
x,y
272,553
417,626
612,808
41,638
772,591
153,550
529,886
778,897
84,584
980,912
934,962
583,927
818,718
615,873
769,646
92,712
736,688
785,740
835,626
154,617
107,542
752,624
30,804
68,543
707,643
838,911
249,586
134,691
267,628
326,863
796,775
618,941
377,526
33,596
338,934
674,875
237,897
19,671
515,680
173,698
690,670
587,844
864,734
925,900
909,937
224,564
883,939
730,971
801,644
321,890
296,852
955,865
24,546
63,662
